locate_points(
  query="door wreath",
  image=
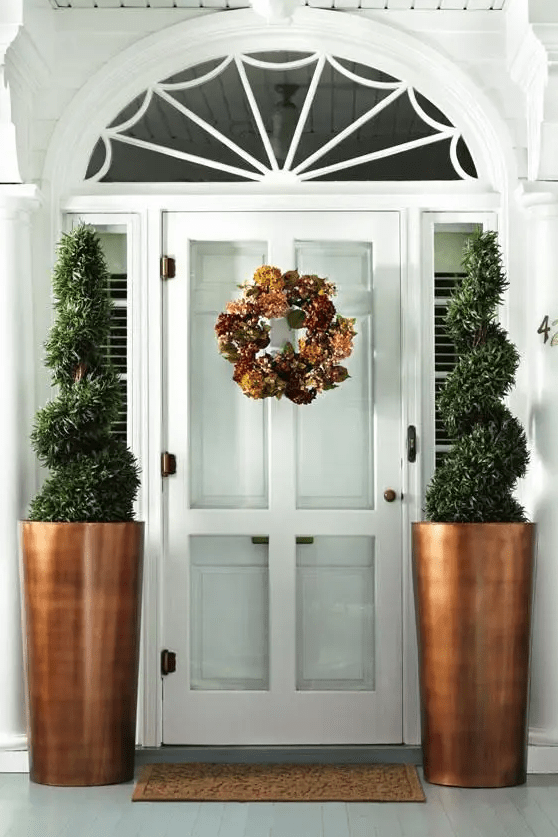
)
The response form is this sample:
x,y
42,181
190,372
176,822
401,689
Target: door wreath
x,y
243,334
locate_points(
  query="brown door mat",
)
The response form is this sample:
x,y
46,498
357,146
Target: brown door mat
x,y
201,782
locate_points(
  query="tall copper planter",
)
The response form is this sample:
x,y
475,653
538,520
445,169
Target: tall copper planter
x,y
82,605
473,595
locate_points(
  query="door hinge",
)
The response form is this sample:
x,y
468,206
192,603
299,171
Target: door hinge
x,y
168,661
167,267
168,464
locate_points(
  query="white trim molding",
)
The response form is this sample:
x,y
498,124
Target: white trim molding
x,y
542,759
539,203
17,203
540,83
9,167
275,11
529,69
27,72
14,761
13,741
367,41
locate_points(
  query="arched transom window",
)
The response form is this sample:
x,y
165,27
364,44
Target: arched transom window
x,y
280,116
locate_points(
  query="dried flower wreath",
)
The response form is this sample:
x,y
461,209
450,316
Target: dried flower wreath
x,y
243,333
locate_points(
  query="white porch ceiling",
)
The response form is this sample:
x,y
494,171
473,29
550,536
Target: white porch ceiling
x,y
399,5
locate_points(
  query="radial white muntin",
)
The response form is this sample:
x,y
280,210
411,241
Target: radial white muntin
x,y
271,172
346,36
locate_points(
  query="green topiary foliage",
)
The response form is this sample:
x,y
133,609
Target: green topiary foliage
x,y
94,476
475,483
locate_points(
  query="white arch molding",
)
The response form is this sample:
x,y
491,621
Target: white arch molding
x,y
347,36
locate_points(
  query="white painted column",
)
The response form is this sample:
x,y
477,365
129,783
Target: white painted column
x,y
540,271
17,471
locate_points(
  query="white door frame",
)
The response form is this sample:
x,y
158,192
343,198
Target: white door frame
x,y
143,214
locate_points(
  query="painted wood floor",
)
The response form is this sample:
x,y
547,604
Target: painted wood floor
x,y
29,810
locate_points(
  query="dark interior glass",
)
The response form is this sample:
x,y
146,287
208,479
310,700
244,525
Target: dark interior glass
x,y
280,94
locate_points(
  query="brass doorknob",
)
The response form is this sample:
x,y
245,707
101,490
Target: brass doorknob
x,y
389,495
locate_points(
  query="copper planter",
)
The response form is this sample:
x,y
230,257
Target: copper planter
x,y
473,587
82,604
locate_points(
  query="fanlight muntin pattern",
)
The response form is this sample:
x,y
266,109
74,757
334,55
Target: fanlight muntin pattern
x,y
270,168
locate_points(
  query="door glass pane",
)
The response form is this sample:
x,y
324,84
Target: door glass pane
x,y
335,614
334,441
228,432
228,613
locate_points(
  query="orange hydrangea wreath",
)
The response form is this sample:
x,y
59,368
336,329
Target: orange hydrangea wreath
x,y
243,334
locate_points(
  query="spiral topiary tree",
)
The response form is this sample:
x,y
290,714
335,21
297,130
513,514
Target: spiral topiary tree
x,y
94,476
476,480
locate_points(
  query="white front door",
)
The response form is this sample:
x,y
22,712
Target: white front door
x,y
282,570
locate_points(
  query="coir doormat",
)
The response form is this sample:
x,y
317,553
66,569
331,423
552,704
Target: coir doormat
x,y
202,782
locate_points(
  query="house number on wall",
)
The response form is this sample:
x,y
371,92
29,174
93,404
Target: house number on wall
x,y
544,328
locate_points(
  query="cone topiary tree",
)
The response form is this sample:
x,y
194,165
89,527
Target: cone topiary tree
x,y
94,476
476,480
